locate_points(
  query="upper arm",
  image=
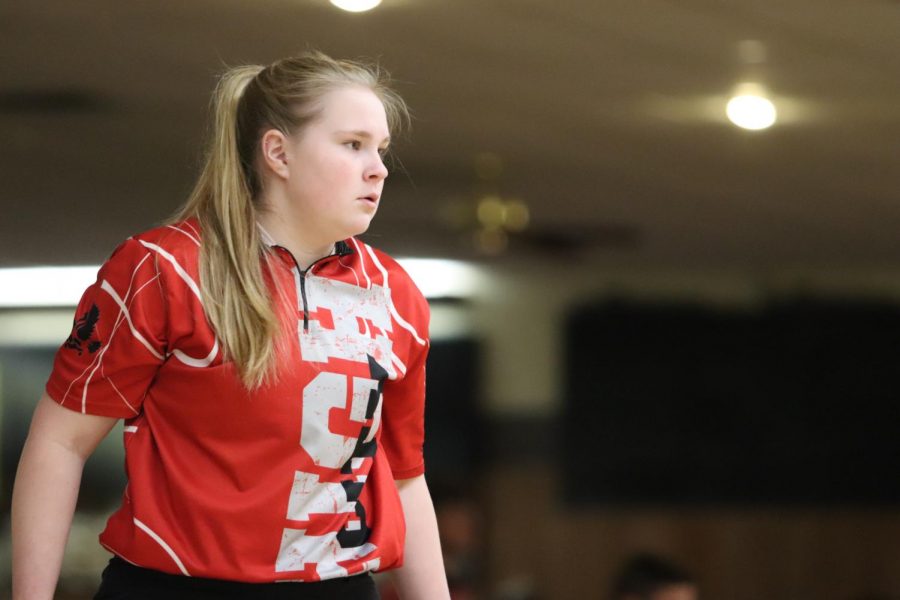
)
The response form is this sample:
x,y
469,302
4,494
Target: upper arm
x,y
77,432
414,494
403,423
403,411
402,432
118,341
408,482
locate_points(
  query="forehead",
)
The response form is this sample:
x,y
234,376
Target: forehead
x,y
353,109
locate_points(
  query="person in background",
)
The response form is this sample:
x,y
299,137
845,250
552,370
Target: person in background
x,y
649,577
268,365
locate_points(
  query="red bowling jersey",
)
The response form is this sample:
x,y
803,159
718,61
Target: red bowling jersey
x,y
293,481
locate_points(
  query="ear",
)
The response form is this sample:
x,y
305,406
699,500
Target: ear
x,y
274,147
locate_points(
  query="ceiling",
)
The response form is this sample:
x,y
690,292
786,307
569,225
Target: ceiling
x,y
607,117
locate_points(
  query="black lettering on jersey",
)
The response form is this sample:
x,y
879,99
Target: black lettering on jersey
x,y
83,332
357,537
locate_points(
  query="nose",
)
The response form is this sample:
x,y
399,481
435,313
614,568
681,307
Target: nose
x,y
377,171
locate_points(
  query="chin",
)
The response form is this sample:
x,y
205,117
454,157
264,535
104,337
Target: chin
x,y
357,229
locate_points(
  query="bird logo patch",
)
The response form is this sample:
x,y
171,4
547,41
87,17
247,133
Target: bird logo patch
x,y
83,334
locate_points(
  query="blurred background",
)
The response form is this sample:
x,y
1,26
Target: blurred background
x,y
666,305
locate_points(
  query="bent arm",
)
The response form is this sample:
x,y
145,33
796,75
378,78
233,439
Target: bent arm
x,y
422,575
45,491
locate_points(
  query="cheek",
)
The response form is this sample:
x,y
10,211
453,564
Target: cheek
x,y
330,171
325,178
314,180
344,171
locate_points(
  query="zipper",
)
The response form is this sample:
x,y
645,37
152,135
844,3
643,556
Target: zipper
x,y
303,295
303,281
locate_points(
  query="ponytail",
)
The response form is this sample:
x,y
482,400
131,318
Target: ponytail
x,y
235,297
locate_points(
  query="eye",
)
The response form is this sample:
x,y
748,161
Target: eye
x,y
354,144
382,152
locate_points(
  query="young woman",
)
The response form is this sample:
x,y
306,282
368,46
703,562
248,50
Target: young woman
x,y
269,367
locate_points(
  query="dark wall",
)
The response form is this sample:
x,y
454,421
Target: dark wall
x,y
453,425
792,404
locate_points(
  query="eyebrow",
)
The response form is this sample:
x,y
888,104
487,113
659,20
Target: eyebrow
x,y
364,134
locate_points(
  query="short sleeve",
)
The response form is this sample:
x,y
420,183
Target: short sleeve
x,y
118,339
403,412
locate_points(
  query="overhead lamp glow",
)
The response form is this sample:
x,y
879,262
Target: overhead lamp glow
x,y
356,5
63,286
44,286
439,278
750,109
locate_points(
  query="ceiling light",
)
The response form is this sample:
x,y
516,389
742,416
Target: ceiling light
x,y
750,109
356,5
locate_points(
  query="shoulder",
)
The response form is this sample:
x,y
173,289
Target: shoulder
x,y
394,276
167,251
180,240
389,273
172,247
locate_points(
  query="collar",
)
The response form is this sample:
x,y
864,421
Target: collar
x,y
341,248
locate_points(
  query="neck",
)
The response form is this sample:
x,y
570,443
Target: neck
x,y
284,233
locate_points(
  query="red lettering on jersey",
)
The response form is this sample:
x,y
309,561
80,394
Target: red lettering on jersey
x,y
323,316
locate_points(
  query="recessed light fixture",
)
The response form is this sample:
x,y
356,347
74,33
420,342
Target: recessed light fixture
x,y
356,5
750,108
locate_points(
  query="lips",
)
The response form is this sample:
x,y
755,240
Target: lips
x,y
373,198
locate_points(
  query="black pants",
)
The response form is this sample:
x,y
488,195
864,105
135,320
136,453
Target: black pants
x,y
123,581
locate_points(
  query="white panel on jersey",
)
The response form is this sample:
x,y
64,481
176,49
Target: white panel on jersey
x,y
376,422
308,495
298,549
327,391
372,565
328,569
362,322
362,390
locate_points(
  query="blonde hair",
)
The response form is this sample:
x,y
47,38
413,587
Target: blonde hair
x,y
248,101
